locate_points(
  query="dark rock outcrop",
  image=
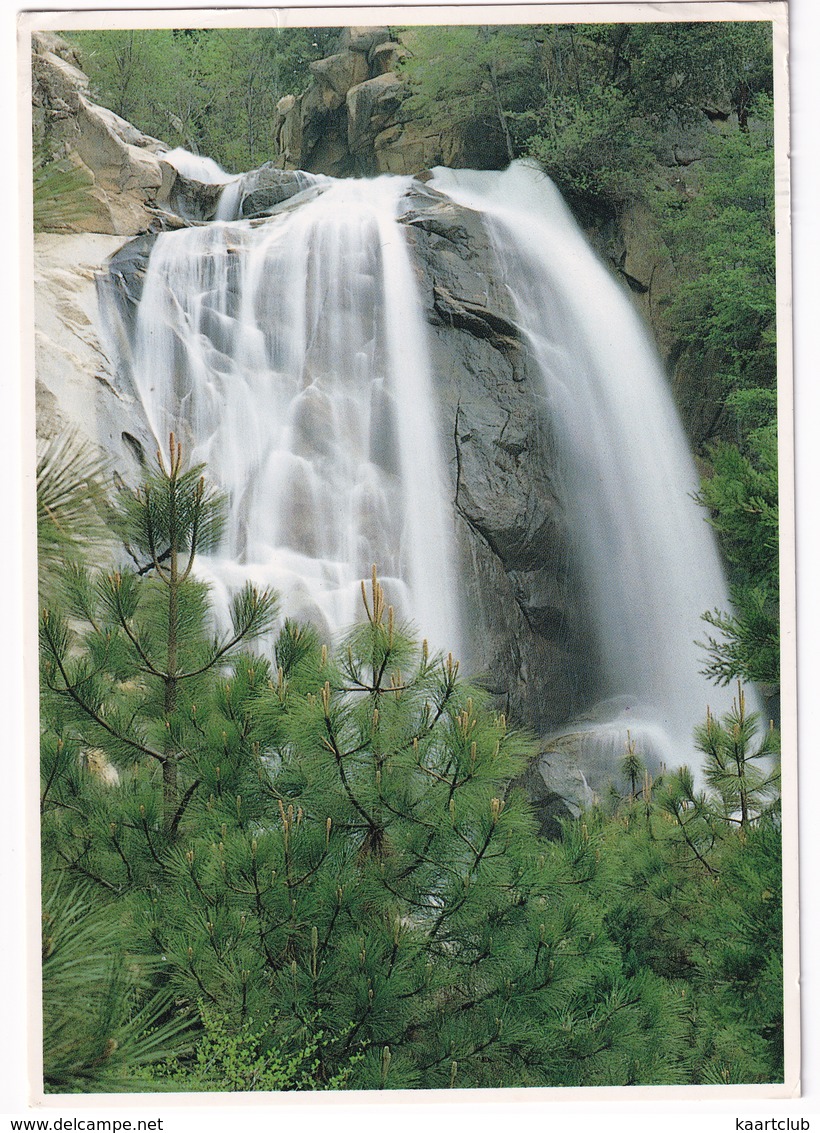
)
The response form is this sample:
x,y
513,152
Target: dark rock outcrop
x,y
521,592
557,789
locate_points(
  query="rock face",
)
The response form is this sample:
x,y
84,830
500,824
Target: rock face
x,y
557,789
122,164
352,120
76,384
131,188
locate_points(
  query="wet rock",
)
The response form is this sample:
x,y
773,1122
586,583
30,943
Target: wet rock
x,y
76,386
268,187
189,199
521,593
557,789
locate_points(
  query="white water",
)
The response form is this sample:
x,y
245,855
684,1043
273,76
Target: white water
x,y
648,556
196,167
290,356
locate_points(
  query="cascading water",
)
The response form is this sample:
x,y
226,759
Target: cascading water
x,y
648,556
196,167
291,354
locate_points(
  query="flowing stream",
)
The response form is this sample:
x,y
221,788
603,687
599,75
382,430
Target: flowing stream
x,y
291,354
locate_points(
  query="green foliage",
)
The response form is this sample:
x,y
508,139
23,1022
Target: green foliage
x,y
102,1025
681,68
691,881
71,504
743,779
135,679
592,145
352,867
474,75
229,1059
213,91
742,496
589,102
722,239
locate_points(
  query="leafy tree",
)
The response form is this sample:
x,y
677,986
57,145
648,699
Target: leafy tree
x,y
474,75
722,239
592,146
226,1058
213,91
133,70
246,71
682,69
589,102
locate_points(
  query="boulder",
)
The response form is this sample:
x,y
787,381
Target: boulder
x,y
352,119
335,75
122,164
187,198
322,136
370,106
386,57
268,187
363,39
557,789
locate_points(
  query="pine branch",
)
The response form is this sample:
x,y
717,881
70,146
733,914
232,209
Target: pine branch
x,y
186,798
70,690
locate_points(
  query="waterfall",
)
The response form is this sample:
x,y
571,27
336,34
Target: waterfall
x,y
648,557
290,352
290,355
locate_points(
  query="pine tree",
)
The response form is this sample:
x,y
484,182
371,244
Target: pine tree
x,y
691,883
128,683
342,886
362,871
71,505
102,1021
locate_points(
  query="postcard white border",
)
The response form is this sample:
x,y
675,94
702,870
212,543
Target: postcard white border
x,y
604,11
